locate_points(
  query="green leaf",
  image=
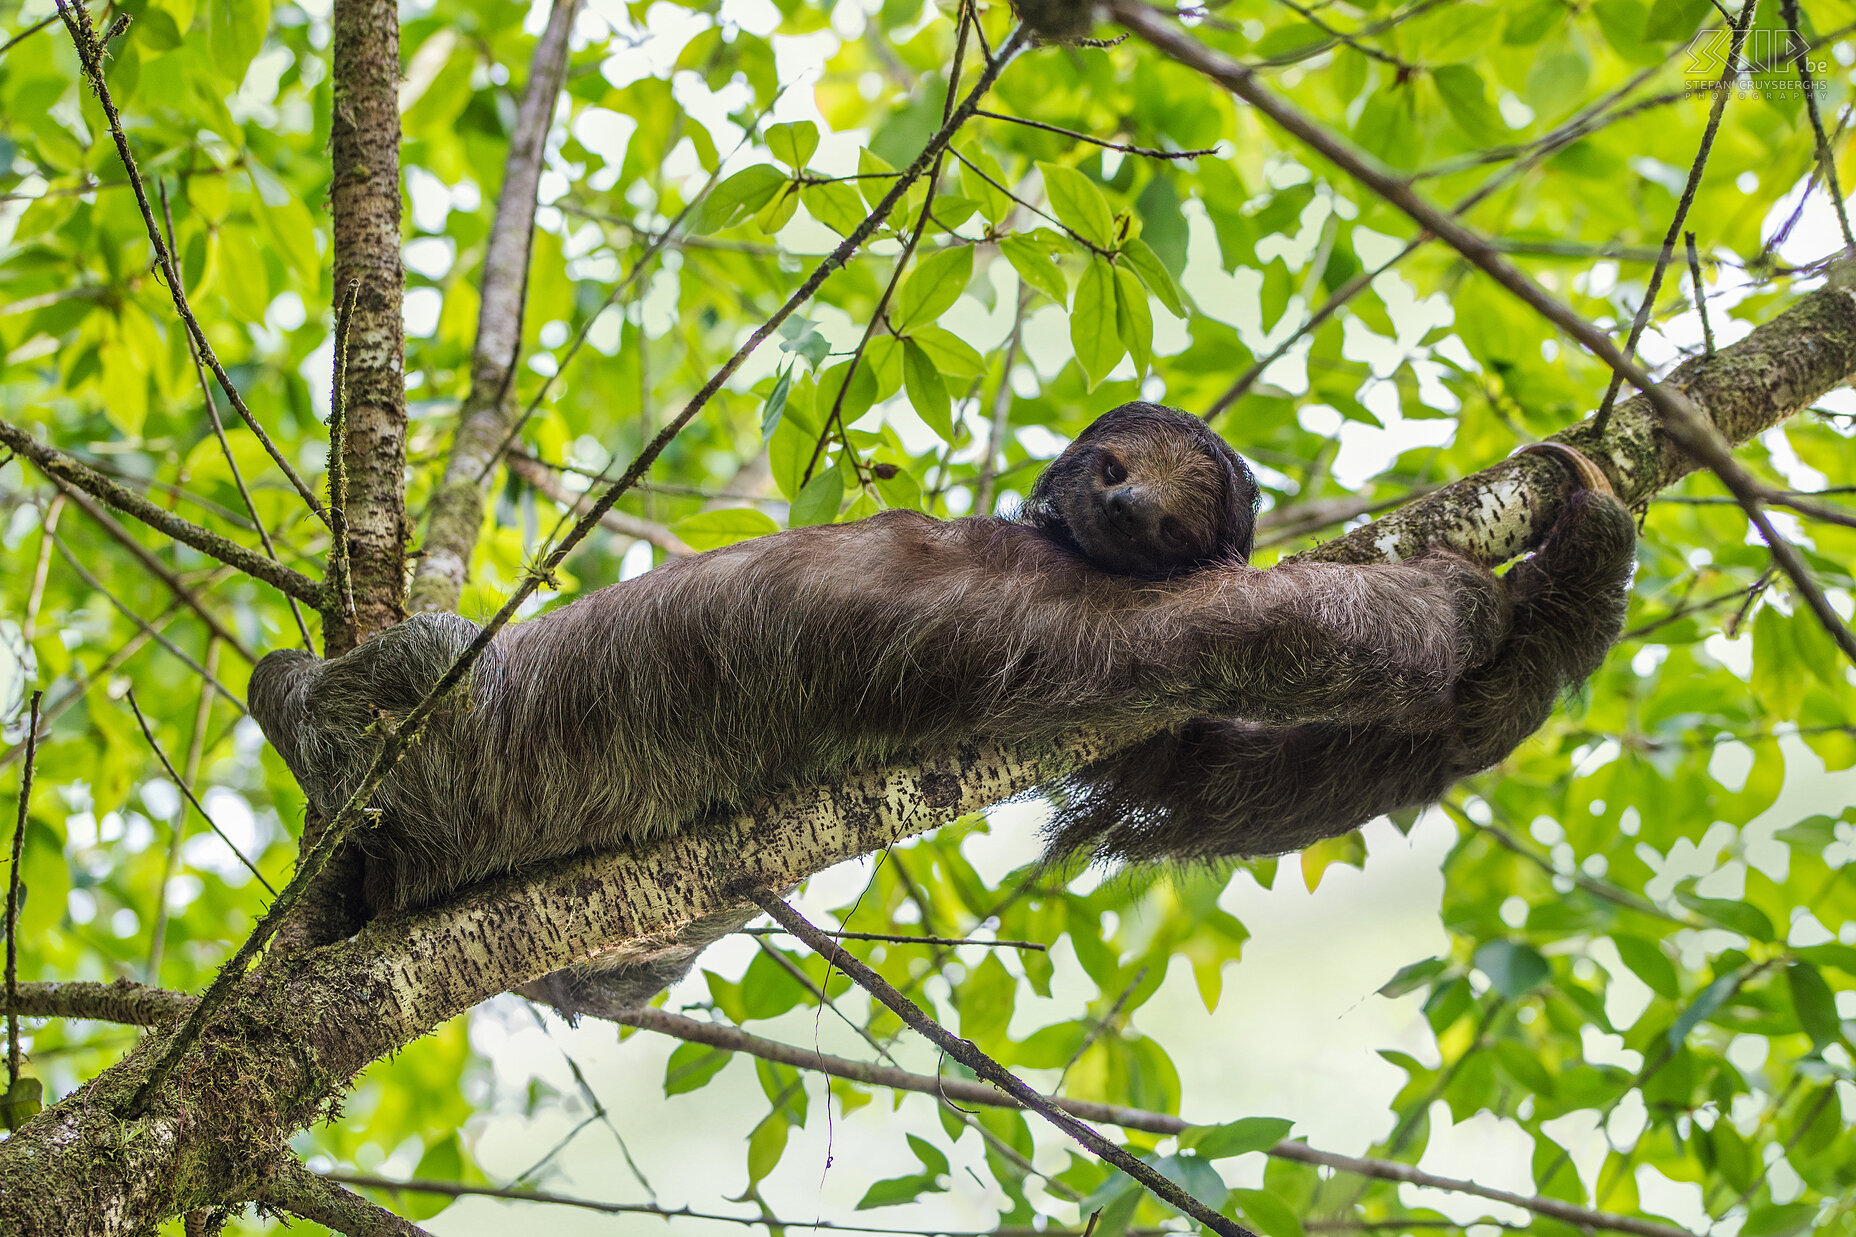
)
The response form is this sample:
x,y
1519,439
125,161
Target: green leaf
x,y
835,204
1094,333
1712,998
1648,962
1036,265
1146,263
1240,1137
874,185
1815,1004
21,1101
1675,19
1134,319
1079,204
1271,1216
1295,41
1454,32
777,213
691,1066
818,501
766,1144
929,1154
893,1190
794,143
775,406
1195,1176
1514,968
235,33
927,392
1742,917
740,196
1524,1065
952,355
708,530
1466,97
1412,976
932,287
1779,1219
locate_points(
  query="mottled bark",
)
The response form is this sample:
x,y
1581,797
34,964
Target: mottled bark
x,y
364,203
456,512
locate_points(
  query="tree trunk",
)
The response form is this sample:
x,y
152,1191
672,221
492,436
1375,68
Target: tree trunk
x,y
370,342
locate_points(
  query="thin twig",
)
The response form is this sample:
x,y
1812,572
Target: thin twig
x,y
316,859
90,53
1680,613
897,938
12,897
127,611
968,1055
1701,293
187,791
456,1189
1826,157
878,315
177,829
1144,151
617,522
62,466
219,433
1001,411
341,568
35,597
109,665
152,564
1098,1026
28,32
1696,167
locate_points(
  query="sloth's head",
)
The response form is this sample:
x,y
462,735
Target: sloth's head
x,y
1148,491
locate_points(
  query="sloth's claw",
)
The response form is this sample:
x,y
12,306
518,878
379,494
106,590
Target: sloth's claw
x,y
1586,473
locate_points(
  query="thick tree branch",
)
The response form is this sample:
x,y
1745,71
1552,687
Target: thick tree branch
x,y
364,208
60,466
125,1002
293,1188
456,513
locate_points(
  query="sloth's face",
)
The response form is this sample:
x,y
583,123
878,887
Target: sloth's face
x,y
1148,491
1141,504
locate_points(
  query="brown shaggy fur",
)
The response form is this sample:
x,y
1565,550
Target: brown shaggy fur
x,y
710,682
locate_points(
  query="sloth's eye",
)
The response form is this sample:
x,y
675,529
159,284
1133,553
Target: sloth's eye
x,y
1112,471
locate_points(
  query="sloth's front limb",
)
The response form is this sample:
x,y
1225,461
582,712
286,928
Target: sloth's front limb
x,y
1220,787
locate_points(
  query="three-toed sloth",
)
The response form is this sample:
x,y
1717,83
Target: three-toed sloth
x,y
1283,706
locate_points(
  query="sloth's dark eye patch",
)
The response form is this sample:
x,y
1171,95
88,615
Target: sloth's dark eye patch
x,y
1112,470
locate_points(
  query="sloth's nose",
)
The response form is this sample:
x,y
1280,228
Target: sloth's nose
x,y
1121,505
